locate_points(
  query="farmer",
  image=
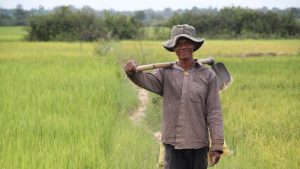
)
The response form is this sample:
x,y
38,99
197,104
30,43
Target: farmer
x,y
191,103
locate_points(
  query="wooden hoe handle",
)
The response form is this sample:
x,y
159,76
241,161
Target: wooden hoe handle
x,y
209,60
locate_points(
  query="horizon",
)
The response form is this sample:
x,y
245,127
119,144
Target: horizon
x,y
156,5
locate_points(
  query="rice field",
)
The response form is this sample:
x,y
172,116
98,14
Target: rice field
x,y
66,104
12,33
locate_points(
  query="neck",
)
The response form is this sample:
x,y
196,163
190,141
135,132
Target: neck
x,y
186,63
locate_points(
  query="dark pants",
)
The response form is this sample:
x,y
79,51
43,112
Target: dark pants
x,y
185,158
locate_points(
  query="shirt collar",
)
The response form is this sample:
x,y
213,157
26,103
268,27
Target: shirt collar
x,y
196,65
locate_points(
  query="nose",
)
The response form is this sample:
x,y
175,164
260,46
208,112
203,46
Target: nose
x,y
182,45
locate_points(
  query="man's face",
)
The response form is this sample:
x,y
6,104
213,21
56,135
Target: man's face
x,y
184,48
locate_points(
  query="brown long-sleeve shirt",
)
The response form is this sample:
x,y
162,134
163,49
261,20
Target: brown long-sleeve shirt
x,y
191,105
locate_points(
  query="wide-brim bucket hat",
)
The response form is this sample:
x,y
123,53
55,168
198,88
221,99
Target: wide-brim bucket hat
x,y
185,31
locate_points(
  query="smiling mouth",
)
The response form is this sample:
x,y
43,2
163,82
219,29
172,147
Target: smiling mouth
x,y
183,50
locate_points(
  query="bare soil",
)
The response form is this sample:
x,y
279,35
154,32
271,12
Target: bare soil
x,y
139,113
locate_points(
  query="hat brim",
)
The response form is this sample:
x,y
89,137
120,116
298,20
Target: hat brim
x,y
170,44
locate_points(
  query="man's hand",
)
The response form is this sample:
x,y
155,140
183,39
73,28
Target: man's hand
x,y
214,157
130,67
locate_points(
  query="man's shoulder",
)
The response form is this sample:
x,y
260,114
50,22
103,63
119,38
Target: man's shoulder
x,y
206,72
205,69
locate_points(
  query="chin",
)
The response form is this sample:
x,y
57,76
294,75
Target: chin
x,y
185,57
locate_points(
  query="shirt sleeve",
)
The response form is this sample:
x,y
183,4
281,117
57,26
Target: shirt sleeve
x,y
149,81
214,115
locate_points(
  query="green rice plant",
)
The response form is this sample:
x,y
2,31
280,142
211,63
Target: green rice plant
x,y
260,113
63,107
12,33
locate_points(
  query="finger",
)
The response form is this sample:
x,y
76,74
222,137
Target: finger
x,y
129,63
127,67
130,67
211,159
133,65
132,62
216,160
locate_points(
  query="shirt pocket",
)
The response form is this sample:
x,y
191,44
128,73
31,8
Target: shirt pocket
x,y
198,89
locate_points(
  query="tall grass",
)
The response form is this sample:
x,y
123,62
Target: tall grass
x,y
67,111
261,112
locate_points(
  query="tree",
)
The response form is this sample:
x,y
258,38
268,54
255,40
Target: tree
x,y
20,15
140,16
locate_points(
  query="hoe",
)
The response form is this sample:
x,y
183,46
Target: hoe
x,y
223,76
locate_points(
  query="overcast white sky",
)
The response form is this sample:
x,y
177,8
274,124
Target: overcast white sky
x,y
122,5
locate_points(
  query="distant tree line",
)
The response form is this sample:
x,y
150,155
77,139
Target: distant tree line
x,y
67,23
236,22
16,17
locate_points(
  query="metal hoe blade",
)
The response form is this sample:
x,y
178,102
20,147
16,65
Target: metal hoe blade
x,y
224,79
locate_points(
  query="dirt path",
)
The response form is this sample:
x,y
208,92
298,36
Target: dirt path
x,y
139,113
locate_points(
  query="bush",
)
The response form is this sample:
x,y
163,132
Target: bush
x,y
68,24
